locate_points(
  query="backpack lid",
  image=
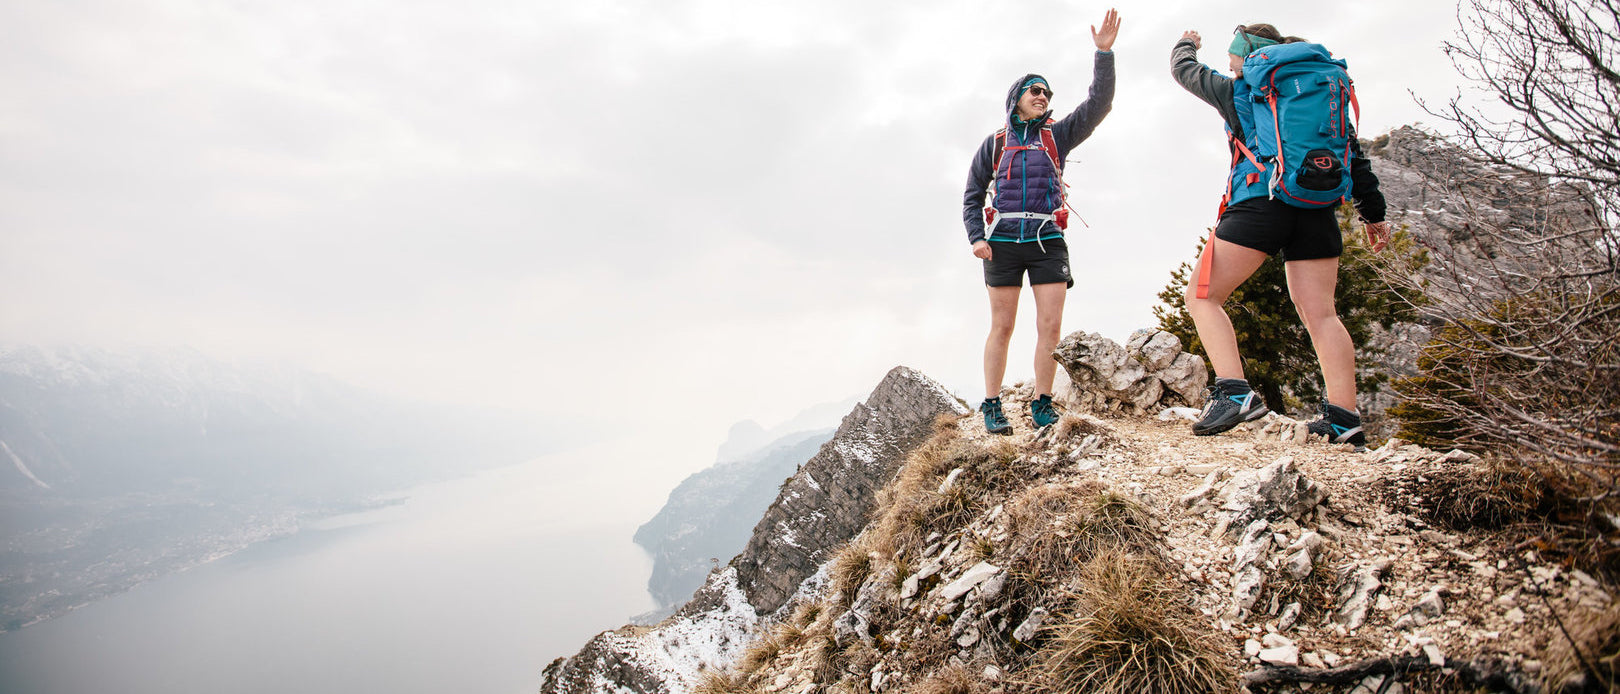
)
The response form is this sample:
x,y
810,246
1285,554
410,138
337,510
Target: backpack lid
x,y
1257,68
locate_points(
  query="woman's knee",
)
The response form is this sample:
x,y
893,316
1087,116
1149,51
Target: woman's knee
x,y
1001,328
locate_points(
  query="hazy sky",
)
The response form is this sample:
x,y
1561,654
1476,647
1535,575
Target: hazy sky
x,y
657,215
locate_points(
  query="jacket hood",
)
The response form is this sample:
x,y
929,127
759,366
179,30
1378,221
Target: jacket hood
x,y
1017,90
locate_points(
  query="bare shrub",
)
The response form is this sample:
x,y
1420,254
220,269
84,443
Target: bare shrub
x,y
1527,294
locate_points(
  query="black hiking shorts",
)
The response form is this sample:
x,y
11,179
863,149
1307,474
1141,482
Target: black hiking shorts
x,y
1270,226
1009,260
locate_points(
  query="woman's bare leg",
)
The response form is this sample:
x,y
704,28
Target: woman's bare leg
x,y
1003,313
1232,265
1311,284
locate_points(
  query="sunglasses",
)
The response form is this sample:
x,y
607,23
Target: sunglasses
x,y
1038,90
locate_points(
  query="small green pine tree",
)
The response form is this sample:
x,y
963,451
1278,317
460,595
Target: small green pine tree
x,y
1279,361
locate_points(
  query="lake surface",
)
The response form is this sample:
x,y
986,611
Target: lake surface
x,y
472,585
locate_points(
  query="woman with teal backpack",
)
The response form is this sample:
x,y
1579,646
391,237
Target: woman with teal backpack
x,y
1280,200
1015,214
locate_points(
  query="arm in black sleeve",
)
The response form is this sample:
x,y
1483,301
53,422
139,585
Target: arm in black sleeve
x,y
1203,81
1364,186
1077,126
978,185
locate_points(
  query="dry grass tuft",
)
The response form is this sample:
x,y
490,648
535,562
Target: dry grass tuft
x,y
1597,661
807,613
913,507
1127,631
1056,527
850,568
952,680
825,659
1488,496
723,682
947,425
760,654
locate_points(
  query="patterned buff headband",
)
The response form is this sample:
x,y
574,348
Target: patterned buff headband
x,y
1244,43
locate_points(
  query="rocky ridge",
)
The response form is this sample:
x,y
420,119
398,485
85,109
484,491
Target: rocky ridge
x,y
818,509
1295,561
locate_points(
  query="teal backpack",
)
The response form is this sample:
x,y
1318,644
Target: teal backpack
x,y
1293,102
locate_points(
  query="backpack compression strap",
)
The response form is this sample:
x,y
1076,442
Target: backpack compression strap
x,y
1206,260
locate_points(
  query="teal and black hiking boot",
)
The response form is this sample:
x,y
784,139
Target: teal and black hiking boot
x,y
1230,402
994,421
1339,425
1041,410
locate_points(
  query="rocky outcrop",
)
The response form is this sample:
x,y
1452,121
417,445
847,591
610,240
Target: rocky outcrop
x,y
826,503
821,507
1149,373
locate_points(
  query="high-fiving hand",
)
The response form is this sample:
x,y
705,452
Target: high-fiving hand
x,y
1198,41
1110,31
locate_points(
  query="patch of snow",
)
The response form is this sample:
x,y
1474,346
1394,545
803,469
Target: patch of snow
x,y
681,649
21,467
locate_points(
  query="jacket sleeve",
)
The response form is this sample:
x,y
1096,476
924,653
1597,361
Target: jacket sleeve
x,y
1364,185
978,185
1077,126
1203,81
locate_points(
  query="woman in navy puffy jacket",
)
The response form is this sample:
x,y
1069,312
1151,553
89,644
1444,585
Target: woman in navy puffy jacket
x,y
1016,183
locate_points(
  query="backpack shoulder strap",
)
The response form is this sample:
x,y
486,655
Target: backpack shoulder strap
x,y
1049,143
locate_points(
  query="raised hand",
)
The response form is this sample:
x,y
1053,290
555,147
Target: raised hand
x,y
1378,235
1198,41
1110,31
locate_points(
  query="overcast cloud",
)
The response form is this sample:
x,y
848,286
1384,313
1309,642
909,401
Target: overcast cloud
x,y
658,216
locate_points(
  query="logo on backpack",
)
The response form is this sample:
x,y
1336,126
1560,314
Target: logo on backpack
x,y
1295,144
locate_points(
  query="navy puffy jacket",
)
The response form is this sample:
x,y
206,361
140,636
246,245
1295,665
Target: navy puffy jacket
x,y
1033,185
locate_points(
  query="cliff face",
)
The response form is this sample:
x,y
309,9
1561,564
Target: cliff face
x,y
828,500
711,514
818,509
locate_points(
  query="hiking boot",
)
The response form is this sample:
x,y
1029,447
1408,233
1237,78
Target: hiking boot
x,y
994,421
1041,410
1230,402
1339,425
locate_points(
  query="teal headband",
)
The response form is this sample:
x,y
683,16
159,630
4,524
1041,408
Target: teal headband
x,y
1244,43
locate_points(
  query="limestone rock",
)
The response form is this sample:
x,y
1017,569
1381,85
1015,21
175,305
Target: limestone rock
x,y
975,575
1156,349
1276,491
1358,590
1152,372
1031,625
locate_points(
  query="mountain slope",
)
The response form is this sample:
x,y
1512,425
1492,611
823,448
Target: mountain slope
x,y
818,509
